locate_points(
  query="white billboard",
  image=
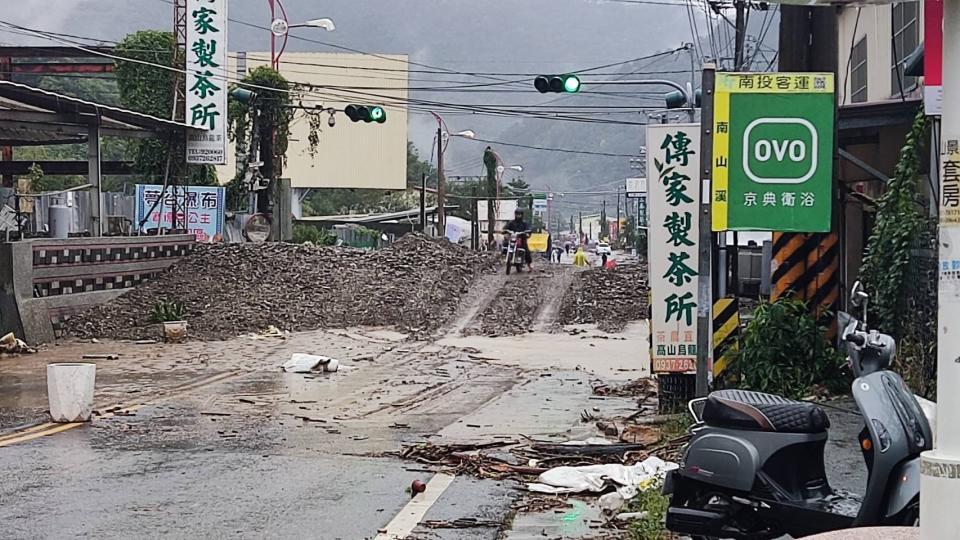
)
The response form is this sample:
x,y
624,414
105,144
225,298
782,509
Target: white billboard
x,y
636,187
673,156
353,155
206,85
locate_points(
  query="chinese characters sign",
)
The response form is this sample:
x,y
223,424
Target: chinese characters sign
x,y
673,153
204,207
206,84
950,183
773,152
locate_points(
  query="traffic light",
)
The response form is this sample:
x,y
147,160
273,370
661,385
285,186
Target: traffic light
x,y
366,113
678,99
243,95
557,84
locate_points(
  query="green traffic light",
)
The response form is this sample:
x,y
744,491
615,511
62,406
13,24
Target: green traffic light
x,y
377,114
571,84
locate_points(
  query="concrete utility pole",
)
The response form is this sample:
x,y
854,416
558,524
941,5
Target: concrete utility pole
x,y
940,468
423,202
441,187
740,36
704,289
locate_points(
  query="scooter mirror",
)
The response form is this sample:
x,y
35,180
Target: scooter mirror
x,y
857,295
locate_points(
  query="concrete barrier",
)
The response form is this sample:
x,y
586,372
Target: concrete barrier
x,y
45,281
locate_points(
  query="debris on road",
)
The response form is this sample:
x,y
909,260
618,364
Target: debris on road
x,y
234,289
100,357
305,363
417,486
609,298
644,387
10,344
627,480
461,523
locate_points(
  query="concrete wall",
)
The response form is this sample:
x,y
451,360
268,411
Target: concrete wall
x,y
876,24
44,281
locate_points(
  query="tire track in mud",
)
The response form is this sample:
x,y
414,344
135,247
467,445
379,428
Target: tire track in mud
x,y
527,302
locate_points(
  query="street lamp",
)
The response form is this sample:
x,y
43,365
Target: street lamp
x,y
280,27
443,139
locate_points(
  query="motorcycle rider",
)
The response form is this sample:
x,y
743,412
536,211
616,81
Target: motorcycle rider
x,y
518,225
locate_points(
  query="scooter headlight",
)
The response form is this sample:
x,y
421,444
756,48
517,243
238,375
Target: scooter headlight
x,y
883,436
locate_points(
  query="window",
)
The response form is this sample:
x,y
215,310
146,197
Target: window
x,y
858,72
905,41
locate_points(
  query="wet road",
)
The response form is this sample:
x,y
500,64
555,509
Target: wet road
x,y
221,443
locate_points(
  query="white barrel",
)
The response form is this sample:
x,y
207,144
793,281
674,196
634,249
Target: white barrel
x,y
59,221
70,391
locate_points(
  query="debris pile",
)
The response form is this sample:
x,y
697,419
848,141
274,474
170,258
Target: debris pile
x,y
515,307
232,289
609,298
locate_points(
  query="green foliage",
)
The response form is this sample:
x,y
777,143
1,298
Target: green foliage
x,y
315,235
149,90
325,202
164,311
901,226
651,526
784,351
417,167
900,267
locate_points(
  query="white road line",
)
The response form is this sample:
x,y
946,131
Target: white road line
x,y
410,515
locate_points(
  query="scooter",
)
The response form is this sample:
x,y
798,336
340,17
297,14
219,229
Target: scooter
x,y
754,467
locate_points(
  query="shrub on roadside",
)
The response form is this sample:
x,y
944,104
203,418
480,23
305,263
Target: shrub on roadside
x,y
784,351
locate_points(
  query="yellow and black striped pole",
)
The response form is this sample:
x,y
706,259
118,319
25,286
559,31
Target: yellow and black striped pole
x,y
807,266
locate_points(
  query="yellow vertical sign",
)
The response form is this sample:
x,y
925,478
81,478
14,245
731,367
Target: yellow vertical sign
x,y
721,154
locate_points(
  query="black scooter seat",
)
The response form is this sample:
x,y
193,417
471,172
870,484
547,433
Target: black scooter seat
x,y
742,409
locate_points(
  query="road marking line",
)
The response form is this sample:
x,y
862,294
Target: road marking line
x,y
36,435
410,515
19,433
50,428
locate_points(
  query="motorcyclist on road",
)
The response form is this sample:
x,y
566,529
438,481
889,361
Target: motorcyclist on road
x,y
518,225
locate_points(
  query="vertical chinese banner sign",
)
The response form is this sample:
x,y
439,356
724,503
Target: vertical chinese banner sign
x,y
673,155
773,152
206,85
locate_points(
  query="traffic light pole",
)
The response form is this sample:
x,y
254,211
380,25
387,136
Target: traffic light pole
x,y
691,109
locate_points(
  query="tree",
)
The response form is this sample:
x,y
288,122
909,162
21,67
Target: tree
x,y
417,167
604,225
265,121
149,90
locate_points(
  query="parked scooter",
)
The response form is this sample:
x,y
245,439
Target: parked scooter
x,y
754,467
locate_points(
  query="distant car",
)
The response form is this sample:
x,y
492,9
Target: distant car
x,y
603,248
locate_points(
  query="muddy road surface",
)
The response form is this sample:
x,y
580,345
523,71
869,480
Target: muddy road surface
x,y
212,438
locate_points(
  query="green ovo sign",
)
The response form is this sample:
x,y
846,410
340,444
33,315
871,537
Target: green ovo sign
x,y
773,152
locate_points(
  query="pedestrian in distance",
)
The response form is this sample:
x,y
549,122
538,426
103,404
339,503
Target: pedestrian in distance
x,y
580,257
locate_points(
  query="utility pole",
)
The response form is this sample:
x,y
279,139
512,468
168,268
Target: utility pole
x,y
618,214
423,203
705,296
490,161
741,34
441,187
939,482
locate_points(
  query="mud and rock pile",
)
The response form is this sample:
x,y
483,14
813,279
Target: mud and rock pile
x,y
231,289
609,298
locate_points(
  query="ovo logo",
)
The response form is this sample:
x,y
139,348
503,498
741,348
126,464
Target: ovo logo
x,y
780,150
